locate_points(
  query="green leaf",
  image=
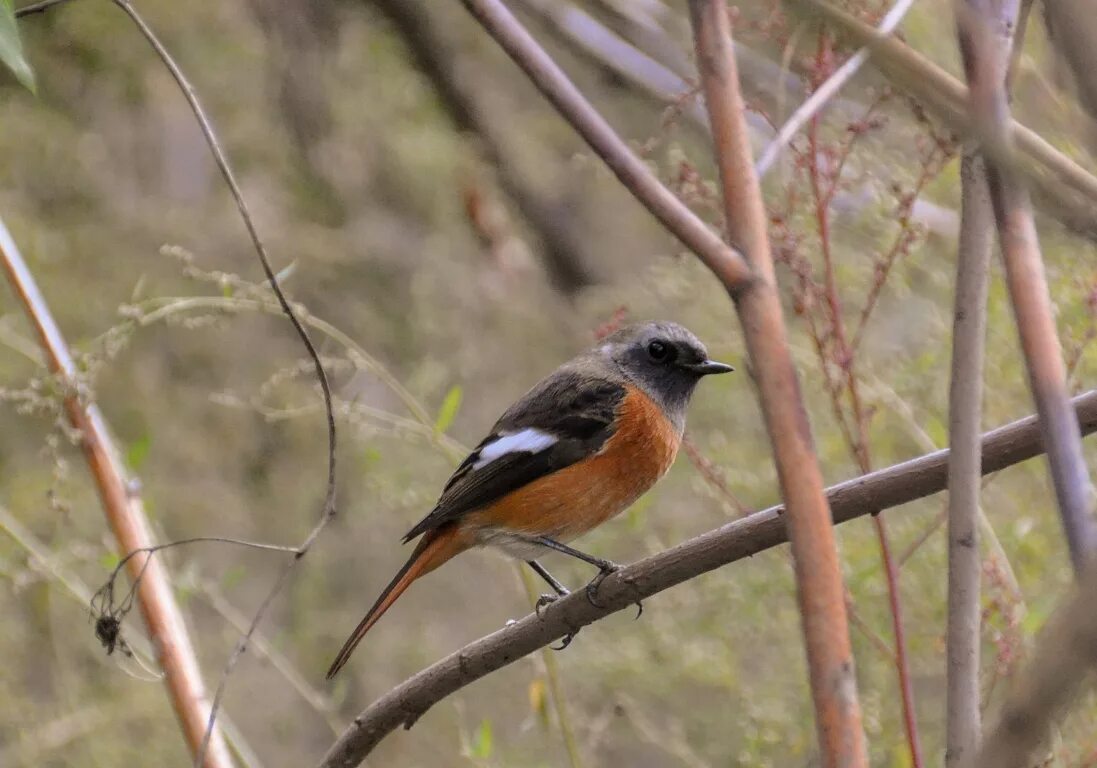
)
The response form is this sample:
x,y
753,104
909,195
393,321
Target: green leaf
x,y
11,48
109,561
481,747
450,403
137,452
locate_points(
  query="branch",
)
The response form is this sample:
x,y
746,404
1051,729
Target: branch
x,y
738,540
1041,692
1068,191
965,402
126,516
460,92
593,39
819,584
633,173
1072,29
827,91
963,718
985,45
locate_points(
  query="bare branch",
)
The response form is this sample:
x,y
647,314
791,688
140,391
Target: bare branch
x,y
985,38
1058,673
818,576
738,540
126,516
965,415
599,42
566,253
1072,27
630,169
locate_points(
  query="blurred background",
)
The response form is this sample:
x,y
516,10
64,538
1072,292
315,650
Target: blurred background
x,y
453,241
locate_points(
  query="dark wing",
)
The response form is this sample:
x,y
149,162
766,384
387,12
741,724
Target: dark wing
x,y
571,411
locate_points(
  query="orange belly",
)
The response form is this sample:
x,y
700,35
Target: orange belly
x,y
573,500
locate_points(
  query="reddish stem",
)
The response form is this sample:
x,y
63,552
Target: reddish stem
x,y
859,447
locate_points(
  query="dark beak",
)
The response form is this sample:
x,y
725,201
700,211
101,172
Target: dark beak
x,y
708,367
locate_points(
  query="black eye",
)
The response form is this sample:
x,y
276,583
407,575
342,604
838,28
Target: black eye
x,y
661,352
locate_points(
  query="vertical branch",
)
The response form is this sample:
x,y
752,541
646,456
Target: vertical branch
x,y
818,577
126,516
985,31
965,404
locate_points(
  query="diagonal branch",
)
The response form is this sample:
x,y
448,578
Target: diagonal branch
x,y
985,48
819,586
738,540
634,174
1061,668
461,92
126,516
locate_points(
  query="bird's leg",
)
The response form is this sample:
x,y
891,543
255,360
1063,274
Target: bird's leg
x,y
543,600
605,567
557,587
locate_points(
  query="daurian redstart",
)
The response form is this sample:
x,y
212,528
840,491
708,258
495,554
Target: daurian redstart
x,y
574,451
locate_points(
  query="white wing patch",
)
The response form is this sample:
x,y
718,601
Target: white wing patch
x,y
529,440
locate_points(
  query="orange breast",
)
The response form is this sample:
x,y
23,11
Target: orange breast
x,y
570,502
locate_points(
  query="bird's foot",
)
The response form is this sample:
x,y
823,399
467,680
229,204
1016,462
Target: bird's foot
x,y
605,568
547,599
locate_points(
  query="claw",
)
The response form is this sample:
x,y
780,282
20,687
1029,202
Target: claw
x,y
544,600
639,610
604,570
565,642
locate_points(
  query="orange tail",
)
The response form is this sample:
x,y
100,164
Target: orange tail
x,y
435,548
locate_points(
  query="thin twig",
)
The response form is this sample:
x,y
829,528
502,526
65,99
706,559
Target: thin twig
x,y
126,516
826,91
320,702
328,509
738,540
585,119
858,441
819,585
103,601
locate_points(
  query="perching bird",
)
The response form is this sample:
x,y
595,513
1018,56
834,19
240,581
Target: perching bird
x,y
574,451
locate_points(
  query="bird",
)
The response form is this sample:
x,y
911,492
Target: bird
x,y
574,451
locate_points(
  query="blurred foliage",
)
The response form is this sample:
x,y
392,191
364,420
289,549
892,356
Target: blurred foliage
x,y
11,48
431,323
